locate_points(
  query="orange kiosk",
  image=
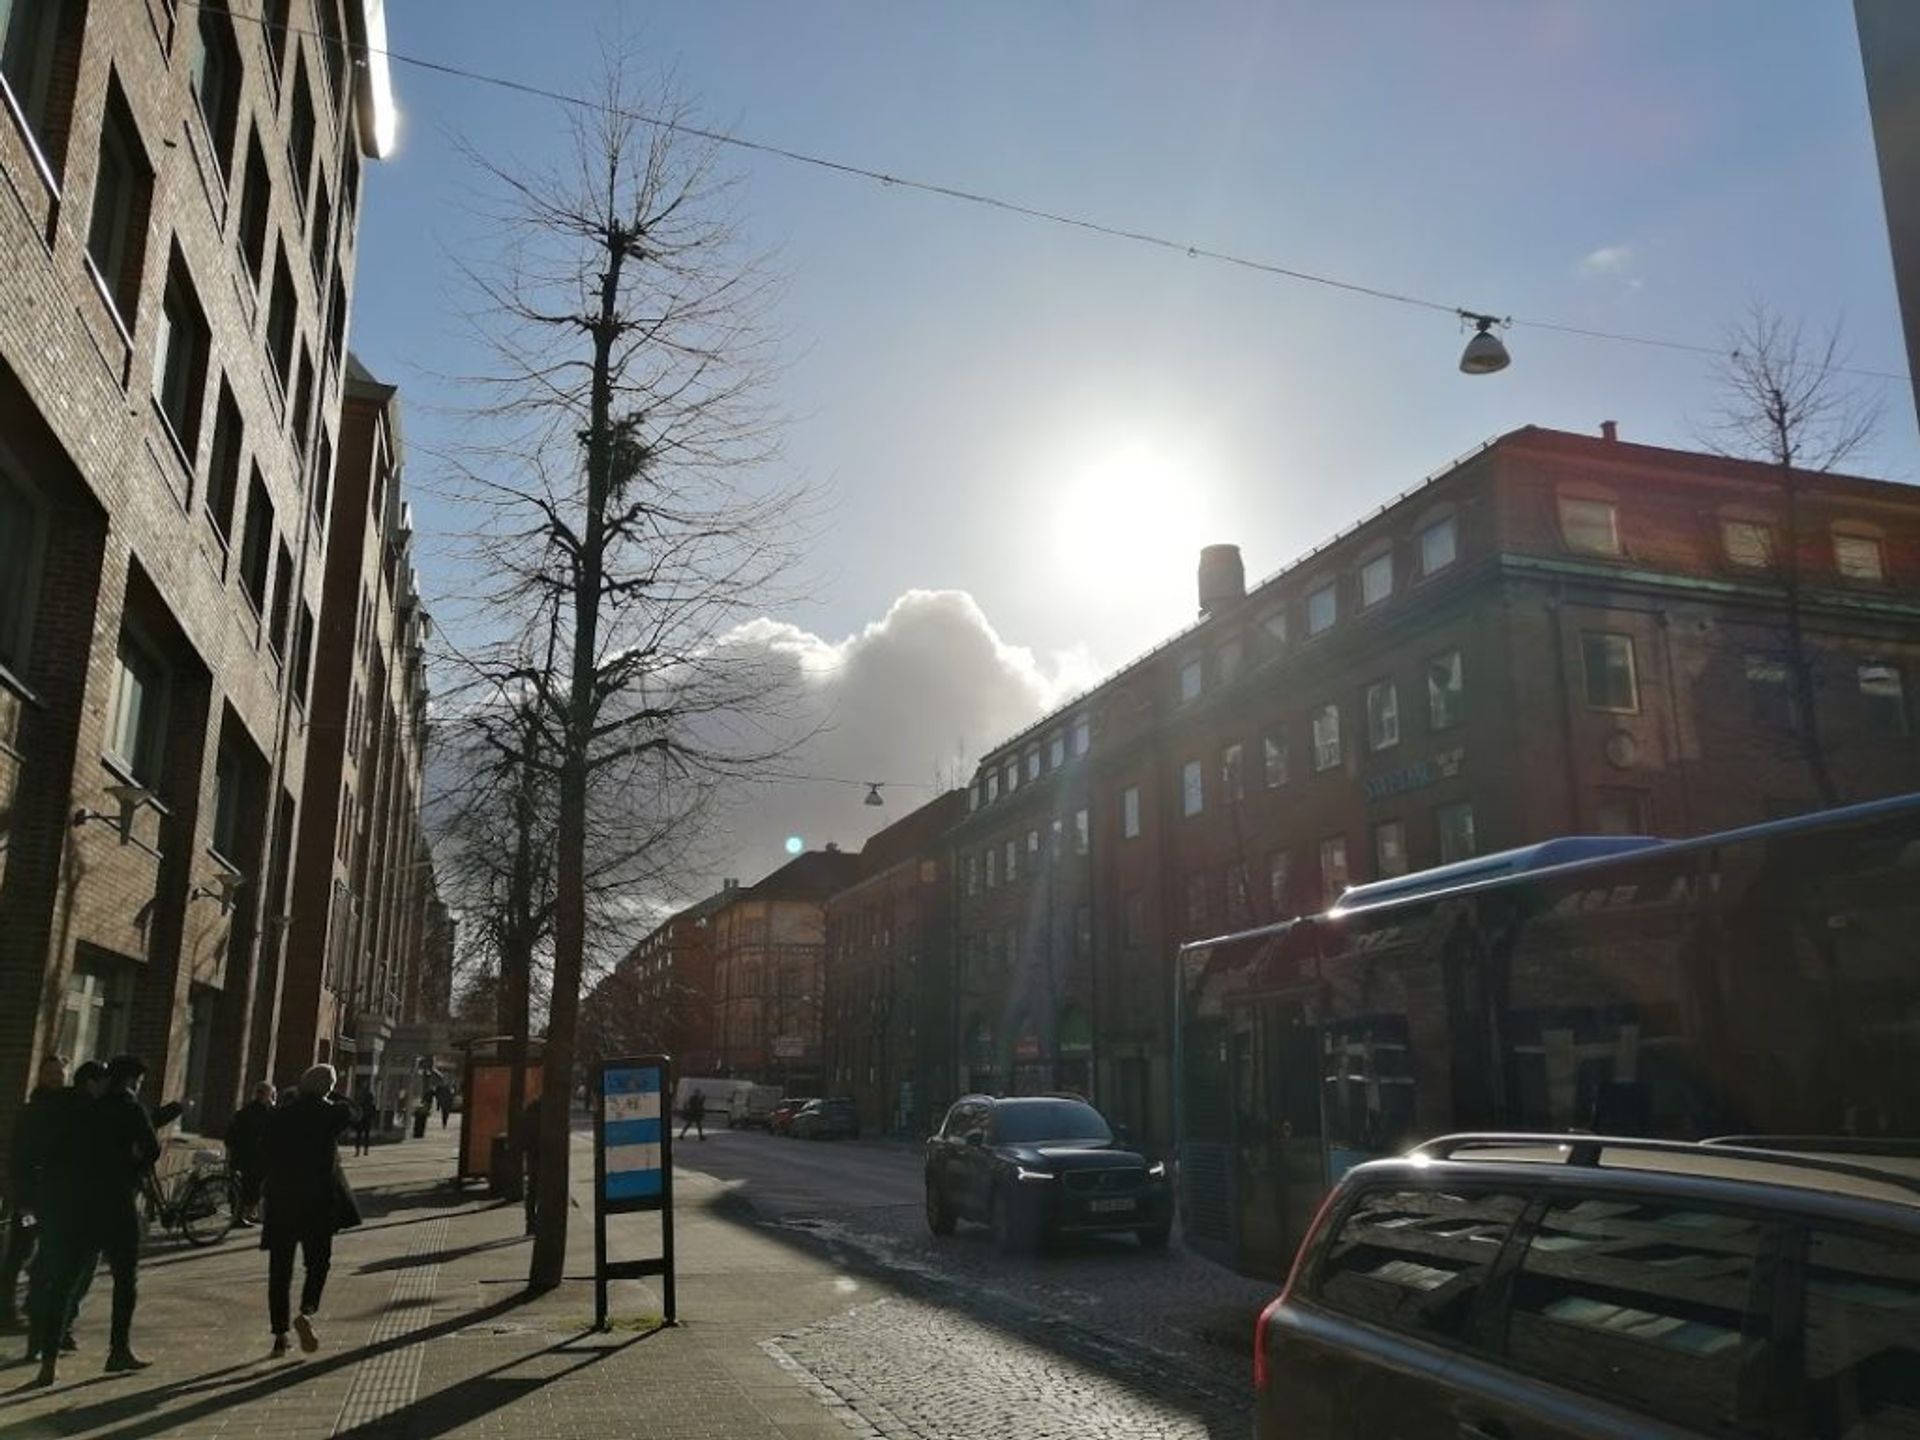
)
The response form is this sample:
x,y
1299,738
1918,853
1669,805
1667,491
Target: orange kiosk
x,y
486,1085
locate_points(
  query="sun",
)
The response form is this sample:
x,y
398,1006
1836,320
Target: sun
x,y
1134,516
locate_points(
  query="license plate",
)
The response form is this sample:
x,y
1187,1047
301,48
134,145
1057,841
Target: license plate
x,y
1109,1207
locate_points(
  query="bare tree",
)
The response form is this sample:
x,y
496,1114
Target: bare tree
x,y
627,526
1787,401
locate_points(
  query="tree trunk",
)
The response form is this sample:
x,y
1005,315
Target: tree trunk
x,y
1799,662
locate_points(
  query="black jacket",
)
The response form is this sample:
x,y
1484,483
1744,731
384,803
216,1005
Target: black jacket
x,y
118,1147
33,1128
306,1192
246,1133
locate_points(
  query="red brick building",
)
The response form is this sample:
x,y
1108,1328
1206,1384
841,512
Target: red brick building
x,y
660,997
890,1022
1558,634
179,196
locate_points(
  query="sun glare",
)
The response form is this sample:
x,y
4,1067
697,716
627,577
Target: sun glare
x,y
1133,518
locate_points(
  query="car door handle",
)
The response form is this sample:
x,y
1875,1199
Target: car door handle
x,y
1483,1430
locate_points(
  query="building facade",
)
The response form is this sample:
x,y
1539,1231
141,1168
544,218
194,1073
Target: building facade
x,y
890,1021
660,997
1559,634
363,881
769,971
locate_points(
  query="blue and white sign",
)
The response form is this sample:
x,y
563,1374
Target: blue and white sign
x,y
631,1119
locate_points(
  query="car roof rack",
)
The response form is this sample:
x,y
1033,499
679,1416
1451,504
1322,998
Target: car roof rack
x,y
1585,1150
1902,1147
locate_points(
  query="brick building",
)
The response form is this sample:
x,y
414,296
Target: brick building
x,y
363,875
1557,634
769,972
660,996
179,195
890,1022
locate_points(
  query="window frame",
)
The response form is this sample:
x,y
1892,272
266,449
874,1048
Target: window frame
x,y
1733,553
1842,538
1130,812
1378,738
1613,549
1193,789
1440,814
24,580
1192,680
147,766
1331,590
1372,567
1632,707
1904,729
1450,526
1327,756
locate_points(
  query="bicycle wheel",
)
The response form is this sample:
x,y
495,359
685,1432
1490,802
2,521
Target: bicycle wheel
x,y
206,1210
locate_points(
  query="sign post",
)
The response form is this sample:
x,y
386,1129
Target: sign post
x,y
632,1168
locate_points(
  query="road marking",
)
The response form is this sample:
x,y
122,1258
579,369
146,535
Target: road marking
x,y
389,1379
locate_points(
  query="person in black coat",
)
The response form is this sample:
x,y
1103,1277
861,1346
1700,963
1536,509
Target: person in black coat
x,y
306,1201
30,1134
246,1134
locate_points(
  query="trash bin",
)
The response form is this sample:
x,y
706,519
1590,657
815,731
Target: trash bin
x,y
503,1170
419,1123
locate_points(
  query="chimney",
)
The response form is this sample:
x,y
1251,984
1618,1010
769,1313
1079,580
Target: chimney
x,y
1223,579
1609,430
729,884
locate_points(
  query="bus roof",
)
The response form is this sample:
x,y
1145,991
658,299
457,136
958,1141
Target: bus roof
x,y
1566,850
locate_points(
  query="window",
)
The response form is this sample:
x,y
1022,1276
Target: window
x,y
1196,905
1232,778
1130,812
273,28
180,360
21,535
303,400
281,319
1639,1302
1376,580
976,792
302,656
96,1008
256,552
1444,691
336,317
1082,735
1414,1260
1857,557
1885,699
1193,788
300,131
333,48
1383,715
122,191
1769,697
136,724
1190,679
1081,832
1033,762
993,866
317,240
1333,869
1133,919
1056,750
223,464
1274,622
1455,825
1273,749
1326,738
1322,609
1010,775
1620,812
1033,843
1389,849
1439,544
256,203
1277,867
1237,913
282,602
1748,543
226,804
31,40
1589,526
1862,1334
1012,861
1608,660
993,786
322,482
215,76
1226,660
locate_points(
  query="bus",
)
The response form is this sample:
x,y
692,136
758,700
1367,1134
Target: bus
x,y
1761,980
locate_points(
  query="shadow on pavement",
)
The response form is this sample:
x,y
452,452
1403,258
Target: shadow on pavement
x,y
439,1257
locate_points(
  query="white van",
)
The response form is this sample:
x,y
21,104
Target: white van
x,y
756,1108
724,1098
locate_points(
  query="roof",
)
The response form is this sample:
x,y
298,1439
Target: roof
x,y
915,832
812,875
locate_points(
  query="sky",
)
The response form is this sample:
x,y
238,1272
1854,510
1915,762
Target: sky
x,y
1023,433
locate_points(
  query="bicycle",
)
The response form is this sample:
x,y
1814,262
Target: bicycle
x,y
201,1202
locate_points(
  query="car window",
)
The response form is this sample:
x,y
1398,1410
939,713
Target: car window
x,y
1862,1336
1037,1120
1416,1259
1646,1304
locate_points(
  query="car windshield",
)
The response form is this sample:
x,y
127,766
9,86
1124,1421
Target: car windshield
x,y
1029,1121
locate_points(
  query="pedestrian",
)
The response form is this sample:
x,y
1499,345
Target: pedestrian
x,y
695,1115
23,1170
245,1132
363,1120
446,1103
530,1154
64,1260
120,1149
306,1202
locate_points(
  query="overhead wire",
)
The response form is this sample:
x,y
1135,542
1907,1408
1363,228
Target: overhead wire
x,y
962,195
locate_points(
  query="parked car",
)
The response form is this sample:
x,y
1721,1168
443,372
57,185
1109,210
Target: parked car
x,y
1036,1166
827,1120
1545,1286
780,1120
754,1106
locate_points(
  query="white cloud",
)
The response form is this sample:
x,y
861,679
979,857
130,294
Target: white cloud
x,y
1607,260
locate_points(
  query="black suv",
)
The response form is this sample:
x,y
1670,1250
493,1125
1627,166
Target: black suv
x,y
1040,1165
1491,1286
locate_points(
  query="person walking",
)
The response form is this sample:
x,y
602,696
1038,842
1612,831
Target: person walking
x,y
446,1103
246,1132
363,1120
23,1171
119,1149
64,1260
530,1154
306,1202
694,1115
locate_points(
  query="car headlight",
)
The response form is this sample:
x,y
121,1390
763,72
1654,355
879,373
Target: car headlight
x,y
1020,1172
1157,1170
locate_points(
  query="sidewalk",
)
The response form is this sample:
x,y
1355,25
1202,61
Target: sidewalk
x,y
426,1334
